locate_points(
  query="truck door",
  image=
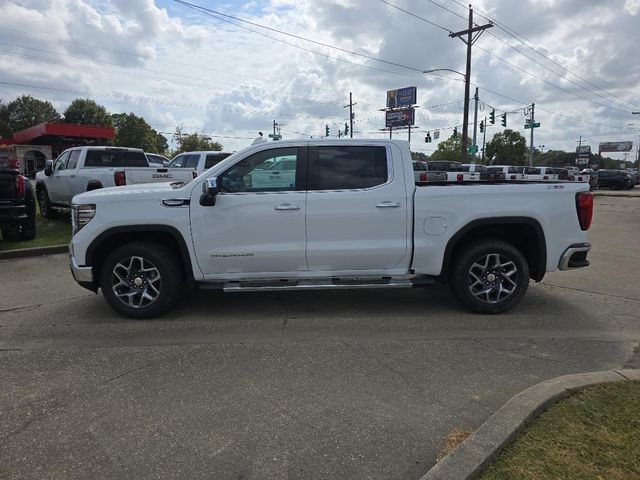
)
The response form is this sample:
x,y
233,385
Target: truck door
x,y
55,187
356,209
72,183
254,227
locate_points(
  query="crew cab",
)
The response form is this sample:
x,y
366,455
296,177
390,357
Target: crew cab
x,y
82,169
198,161
352,217
17,203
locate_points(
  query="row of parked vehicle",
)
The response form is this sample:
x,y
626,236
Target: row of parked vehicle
x,y
446,171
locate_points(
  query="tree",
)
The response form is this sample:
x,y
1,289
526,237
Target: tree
x,y
419,156
133,131
508,147
194,142
25,112
85,111
449,149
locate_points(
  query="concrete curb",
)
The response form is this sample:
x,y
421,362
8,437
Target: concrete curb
x,y
33,252
469,459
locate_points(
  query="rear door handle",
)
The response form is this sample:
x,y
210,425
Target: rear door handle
x,y
388,205
286,206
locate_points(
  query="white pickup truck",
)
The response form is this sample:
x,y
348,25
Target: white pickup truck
x,y
353,217
199,161
82,169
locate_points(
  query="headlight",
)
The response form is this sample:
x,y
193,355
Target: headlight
x,y
81,215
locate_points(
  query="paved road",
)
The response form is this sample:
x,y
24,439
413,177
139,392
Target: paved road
x,y
356,385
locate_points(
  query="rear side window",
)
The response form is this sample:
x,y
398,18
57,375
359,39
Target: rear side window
x,y
532,171
115,158
515,169
348,167
214,159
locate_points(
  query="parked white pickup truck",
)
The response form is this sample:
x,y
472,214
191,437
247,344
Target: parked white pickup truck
x,y
352,218
198,161
82,169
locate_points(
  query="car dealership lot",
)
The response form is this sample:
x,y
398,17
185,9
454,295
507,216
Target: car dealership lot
x,y
361,384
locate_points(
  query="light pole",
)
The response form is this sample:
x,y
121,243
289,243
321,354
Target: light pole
x,y
463,150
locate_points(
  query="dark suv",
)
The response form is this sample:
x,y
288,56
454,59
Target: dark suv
x,y
614,179
17,203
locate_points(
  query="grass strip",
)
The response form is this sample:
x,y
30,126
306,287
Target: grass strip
x,y
56,231
593,434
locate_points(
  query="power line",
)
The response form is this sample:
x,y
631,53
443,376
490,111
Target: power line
x,y
201,9
417,16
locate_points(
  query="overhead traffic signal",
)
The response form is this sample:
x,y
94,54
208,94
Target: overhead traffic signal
x,y
482,126
504,119
326,130
346,129
455,132
492,117
427,139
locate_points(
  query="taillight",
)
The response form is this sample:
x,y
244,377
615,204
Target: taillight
x,y
584,206
423,177
459,177
19,186
194,173
119,178
545,177
513,177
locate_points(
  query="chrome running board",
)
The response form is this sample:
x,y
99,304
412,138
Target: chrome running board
x,y
329,284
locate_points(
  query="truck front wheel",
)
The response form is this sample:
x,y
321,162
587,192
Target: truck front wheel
x,y
141,279
490,277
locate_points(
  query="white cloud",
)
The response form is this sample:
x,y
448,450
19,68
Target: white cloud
x,y
176,66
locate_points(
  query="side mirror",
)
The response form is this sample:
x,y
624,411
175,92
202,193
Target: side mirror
x,y
209,192
48,168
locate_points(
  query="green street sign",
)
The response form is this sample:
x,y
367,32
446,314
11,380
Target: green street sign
x,y
275,136
473,149
529,125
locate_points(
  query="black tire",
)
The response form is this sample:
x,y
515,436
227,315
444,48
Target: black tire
x,y
137,294
46,210
490,277
10,233
28,228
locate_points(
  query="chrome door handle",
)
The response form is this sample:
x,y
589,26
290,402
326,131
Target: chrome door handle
x,y
388,205
286,206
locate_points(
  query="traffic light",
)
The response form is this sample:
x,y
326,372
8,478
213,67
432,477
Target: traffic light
x,y
482,126
326,130
492,117
455,132
346,129
427,139
504,119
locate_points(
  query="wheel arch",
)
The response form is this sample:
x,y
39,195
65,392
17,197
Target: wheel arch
x,y
524,233
114,237
94,185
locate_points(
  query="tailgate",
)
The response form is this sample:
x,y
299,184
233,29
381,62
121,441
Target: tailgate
x,y
154,175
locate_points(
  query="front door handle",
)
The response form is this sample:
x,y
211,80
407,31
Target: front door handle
x,y
286,206
388,205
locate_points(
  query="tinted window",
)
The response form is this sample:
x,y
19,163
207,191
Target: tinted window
x,y
347,167
515,169
444,166
494,169
532,171
178,162
73,159
192,161
251,174
115,158
214,159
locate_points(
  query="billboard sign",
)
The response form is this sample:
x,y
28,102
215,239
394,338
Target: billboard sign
x,y
400,118
615,146
402,97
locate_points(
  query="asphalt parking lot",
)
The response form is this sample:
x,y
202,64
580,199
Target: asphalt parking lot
x,y
361,384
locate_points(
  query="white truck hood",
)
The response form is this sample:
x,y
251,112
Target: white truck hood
x,y
142,191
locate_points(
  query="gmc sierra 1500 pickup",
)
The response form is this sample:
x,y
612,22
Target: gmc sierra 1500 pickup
x,y
350,216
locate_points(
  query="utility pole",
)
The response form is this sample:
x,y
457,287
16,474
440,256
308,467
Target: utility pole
x,y
350,105
531,122
475,118
484,138
578,149
469,41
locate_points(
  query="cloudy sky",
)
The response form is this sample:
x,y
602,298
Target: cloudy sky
x,y
295,62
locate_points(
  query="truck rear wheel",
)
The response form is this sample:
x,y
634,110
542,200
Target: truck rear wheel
x,y
490,277
141,279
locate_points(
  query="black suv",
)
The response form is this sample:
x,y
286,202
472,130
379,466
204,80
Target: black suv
x,y
614,179
17,203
